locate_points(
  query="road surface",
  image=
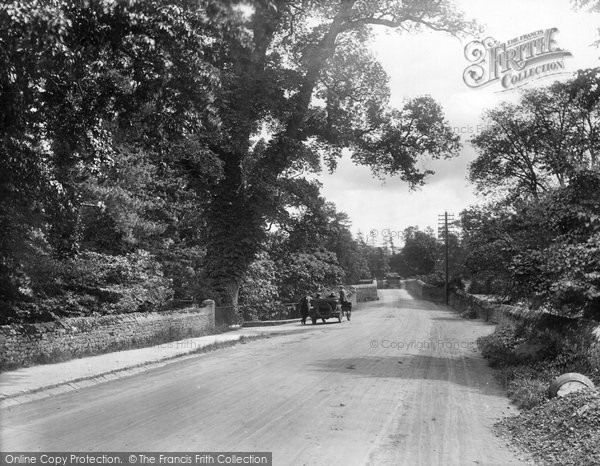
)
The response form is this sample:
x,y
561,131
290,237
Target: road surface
x,y
402,383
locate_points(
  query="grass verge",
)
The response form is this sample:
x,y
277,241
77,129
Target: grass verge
x,y
526,359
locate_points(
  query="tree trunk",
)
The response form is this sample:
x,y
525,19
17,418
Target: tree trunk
x,y
234,236
229,295
235,216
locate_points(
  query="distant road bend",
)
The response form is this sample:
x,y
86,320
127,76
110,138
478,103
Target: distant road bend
x,y
402,383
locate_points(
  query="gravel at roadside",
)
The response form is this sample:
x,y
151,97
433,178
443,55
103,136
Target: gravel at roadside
x,y
563,431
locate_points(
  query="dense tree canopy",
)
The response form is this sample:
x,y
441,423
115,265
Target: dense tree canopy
x,y
542,141
304,76
152,150
419,253
539,242
185,129
102,103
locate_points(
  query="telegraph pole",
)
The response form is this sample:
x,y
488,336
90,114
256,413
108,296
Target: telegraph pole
x,y
446,261
443,219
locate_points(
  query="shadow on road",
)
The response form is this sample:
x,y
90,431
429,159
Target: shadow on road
x,y
404,303
452,318
456,366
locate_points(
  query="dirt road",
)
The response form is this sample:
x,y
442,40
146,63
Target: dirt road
x,y
401,383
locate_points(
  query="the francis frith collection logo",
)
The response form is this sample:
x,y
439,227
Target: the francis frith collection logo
x,y
515,62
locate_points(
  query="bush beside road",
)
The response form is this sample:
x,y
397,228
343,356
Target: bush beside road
x,y
527,359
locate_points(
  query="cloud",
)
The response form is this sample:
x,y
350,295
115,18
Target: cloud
x,y
433,63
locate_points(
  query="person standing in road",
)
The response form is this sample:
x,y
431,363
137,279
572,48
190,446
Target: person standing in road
x,y
304,308
343,297
344,303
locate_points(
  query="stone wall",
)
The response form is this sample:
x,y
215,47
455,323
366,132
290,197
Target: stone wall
x,y
422,290
543,321
364,292
496,313
482,308
28,344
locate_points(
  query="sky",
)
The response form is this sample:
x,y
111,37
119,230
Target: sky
x,y
433,63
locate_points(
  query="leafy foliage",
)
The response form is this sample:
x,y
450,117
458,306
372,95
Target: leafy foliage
x,y
311,273
138,127
542,141
102,105
306,77
419,254
91,283
540,243
259,286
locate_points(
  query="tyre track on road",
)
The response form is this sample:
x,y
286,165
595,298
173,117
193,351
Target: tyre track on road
x,y
326,396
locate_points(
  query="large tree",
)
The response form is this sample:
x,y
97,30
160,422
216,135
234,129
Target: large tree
x,y
302,76
233,99
540,241
419,254
542,141
99,100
